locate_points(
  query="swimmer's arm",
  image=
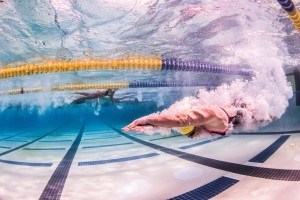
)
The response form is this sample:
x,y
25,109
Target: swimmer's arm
x,y
190,118
273,117
82,93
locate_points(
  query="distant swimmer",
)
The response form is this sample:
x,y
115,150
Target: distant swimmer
x,y
95,95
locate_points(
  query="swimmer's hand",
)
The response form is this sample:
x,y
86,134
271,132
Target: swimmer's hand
x,y
137,125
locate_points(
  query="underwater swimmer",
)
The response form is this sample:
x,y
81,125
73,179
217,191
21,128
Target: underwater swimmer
x,y
95,95
212,119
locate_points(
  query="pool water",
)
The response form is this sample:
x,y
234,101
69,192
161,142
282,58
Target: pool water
x,y
52,149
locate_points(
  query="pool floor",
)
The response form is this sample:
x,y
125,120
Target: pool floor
x,y
84,161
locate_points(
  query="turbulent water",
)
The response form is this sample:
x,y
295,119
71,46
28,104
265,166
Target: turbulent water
x,y
255,35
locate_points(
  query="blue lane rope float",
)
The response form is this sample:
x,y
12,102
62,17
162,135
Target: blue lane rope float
x,y
134,63
167,84
117,85
198,66
292,12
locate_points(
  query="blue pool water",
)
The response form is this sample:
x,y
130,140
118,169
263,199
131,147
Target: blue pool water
x,y
51,149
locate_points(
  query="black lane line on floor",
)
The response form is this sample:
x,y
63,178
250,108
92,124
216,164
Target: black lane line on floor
x,y
268,133
28,143
208,190
58,179
162,138
261,172
202,143
14,140
268,152
102,138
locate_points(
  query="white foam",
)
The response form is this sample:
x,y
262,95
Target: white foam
x,y
267,93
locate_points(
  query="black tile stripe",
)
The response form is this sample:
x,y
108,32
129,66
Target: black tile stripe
x,y
261,172
202,143
100,138
107,145
162,138
209,190
268,152
58,179
28,143
55,141
16,140
3,147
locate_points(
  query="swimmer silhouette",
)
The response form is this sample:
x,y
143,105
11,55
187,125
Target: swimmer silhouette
x,y
95,95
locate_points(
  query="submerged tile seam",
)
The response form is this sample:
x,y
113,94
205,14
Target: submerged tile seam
x,y
208,190
107,145
270,150
117,160
260,172
269,133
56,183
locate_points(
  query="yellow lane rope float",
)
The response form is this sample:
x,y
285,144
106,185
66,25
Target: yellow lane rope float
x,y
139,63
295,17
136,63
292,12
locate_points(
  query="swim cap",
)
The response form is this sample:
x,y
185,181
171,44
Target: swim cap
x,y
186,130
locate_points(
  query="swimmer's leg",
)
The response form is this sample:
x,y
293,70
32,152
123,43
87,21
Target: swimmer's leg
x,y
79,100
111,96
82,93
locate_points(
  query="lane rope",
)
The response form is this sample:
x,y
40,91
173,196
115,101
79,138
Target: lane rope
x,y
292,12
99,86
135,63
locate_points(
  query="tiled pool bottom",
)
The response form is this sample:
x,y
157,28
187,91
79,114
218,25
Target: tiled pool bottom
x,y
81,161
